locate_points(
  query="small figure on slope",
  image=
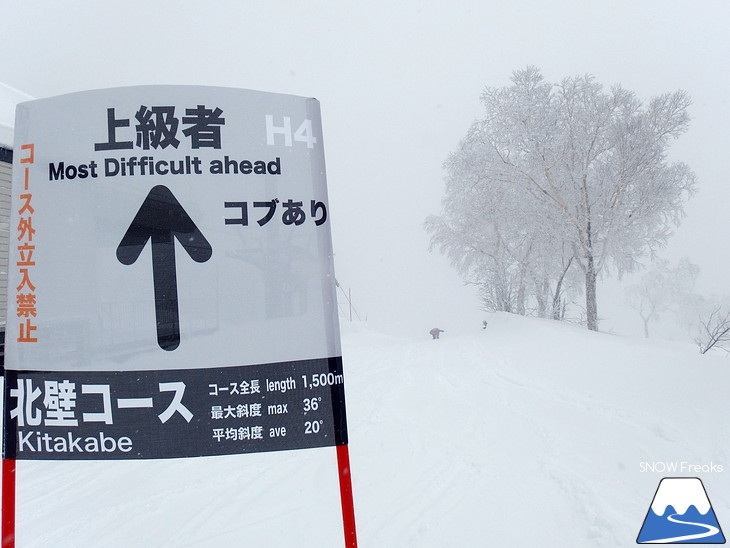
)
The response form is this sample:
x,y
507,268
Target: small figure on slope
x,y
435,332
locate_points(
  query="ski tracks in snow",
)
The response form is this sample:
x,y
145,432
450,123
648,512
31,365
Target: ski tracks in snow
x,y
431,426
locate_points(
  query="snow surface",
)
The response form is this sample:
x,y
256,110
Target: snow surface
x,y
527,434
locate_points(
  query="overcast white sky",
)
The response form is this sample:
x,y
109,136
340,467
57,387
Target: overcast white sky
x,y
399,84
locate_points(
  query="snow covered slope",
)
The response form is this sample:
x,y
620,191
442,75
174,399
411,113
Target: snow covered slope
x,y
528,434
531,433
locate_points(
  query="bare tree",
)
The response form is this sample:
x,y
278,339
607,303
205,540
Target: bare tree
x,y
714,330
663,289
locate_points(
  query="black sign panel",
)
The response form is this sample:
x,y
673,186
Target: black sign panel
x,y
66,415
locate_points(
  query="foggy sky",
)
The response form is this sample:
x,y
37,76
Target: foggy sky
x,y
399,85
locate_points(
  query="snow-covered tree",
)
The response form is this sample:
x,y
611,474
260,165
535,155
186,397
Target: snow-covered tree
x,y
484,234
663,289
563,176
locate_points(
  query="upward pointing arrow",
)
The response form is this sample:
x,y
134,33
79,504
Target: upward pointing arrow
x,y
161,219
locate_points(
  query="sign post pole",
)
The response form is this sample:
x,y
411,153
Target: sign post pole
x,y
8,504
348,508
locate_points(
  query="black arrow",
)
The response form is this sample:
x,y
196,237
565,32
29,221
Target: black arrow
x,y
161,218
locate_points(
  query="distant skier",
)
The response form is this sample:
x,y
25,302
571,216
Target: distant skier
x,y
484,324
435,332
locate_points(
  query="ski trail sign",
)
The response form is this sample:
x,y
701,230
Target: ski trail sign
x,y
173,279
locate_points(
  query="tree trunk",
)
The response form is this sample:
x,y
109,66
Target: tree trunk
x,y
558,292
556,301
540,294
521,294
591,303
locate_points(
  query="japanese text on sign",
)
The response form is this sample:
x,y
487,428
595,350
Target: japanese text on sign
x,y
26,296
92,415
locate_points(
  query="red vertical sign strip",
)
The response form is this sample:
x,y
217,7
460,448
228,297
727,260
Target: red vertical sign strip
x,y
8,521
348,508
7,529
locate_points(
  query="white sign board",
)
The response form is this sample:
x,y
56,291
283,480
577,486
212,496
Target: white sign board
x,y
171,288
